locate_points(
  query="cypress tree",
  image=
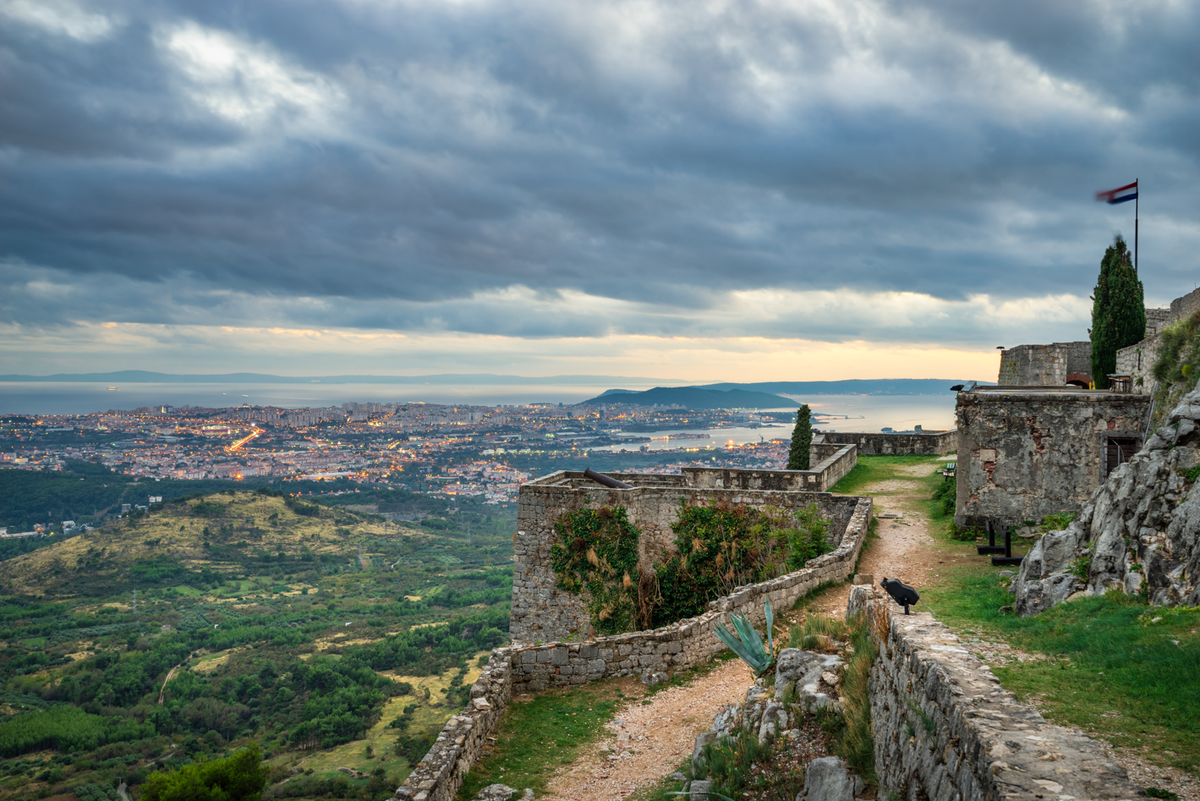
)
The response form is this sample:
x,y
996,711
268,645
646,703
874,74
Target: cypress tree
x,y
1118,311
801,440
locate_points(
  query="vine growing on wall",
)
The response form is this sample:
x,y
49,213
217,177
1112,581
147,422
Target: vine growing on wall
x,y
720,548
597,550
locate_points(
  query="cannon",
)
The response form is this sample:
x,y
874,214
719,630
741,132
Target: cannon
x,y
607,481
901,593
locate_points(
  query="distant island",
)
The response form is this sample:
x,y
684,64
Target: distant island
x,y
768,395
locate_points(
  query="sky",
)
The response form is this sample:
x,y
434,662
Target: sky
x,y
701,191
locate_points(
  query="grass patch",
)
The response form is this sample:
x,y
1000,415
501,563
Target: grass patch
x,y
538,735
1118,666
871,469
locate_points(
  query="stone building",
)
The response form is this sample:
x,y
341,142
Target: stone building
x,y
1055,365
1025,452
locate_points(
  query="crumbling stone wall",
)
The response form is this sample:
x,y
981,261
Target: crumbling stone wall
x,y
543,612
1138,361
1025,453
926,443
945,730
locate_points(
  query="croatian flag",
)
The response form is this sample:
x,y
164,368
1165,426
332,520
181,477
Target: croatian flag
x,y
1121,195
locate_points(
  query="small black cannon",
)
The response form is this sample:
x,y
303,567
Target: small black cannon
x,y
607,481
901,593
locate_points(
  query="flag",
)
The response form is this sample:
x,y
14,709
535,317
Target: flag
x,y
1119,195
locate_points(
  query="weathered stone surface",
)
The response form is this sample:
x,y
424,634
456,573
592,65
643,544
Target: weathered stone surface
x,y
1139,532
495,792
945,730
859,596
827,779
653,679
774,721
800,672
1024,455
700,789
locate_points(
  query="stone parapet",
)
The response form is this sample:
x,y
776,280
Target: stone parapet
x,y
686,643
925,443
945,730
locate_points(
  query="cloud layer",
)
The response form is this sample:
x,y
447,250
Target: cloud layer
x,y
905,172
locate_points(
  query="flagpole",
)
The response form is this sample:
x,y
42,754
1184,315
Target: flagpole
x,y
1136,200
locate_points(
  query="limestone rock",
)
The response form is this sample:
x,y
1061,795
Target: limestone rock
x,y
654,678
498,792
727,720
827,779
1038,596
800,672
702,739
700,789
774,721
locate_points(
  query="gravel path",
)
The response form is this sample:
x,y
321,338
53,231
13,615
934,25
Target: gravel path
x,y
650,740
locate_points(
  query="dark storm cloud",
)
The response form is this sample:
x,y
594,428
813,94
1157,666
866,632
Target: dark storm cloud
x,y
387,165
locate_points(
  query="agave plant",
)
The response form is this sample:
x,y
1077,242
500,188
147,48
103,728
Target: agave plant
x,y
747,644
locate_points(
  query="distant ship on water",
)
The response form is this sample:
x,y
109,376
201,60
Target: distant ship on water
x,y
112,389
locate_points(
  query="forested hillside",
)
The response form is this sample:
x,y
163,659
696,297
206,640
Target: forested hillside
x,y
331,637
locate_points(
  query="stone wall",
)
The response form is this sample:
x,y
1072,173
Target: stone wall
x,y
945,730
542,612
925,443
682,645
1185,306
438,776
1028,452
1138,361
1045,365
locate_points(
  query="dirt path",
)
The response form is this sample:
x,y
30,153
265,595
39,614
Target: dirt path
x,y
650,740
905,548
170,675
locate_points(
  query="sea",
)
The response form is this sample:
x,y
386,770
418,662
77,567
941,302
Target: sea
x,y
831,412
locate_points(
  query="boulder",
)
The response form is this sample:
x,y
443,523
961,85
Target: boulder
x,y
827,779
700,789
800,672
498,792
1038,596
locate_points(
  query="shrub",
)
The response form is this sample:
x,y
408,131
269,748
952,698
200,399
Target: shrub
x,y
597,550
946,496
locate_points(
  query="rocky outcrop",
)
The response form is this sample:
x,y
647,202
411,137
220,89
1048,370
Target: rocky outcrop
x,y
1139,532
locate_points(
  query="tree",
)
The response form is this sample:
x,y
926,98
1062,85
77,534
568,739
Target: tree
x,y
238,777
1118,311
801,440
